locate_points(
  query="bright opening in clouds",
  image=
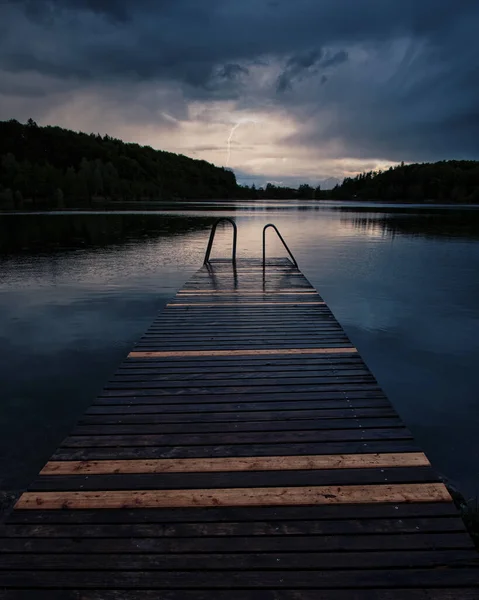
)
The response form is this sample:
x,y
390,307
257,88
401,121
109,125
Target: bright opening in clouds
x,y
320,88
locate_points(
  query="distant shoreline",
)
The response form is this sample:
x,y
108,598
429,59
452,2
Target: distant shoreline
x,y
219,205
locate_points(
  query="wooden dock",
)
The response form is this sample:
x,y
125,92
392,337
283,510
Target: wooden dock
x,y
243,450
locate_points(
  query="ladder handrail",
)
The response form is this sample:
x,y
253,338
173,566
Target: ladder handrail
x,y
212,237
284,244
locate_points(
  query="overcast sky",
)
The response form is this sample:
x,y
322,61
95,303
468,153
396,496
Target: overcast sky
x,y
279,90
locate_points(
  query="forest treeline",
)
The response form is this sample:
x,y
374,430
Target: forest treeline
x,y
54,166
444,181
278,192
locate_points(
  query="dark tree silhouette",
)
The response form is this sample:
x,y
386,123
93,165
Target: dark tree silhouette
x,y
444,181
38,162
58,168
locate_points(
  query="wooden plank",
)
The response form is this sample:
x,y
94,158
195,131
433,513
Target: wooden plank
x,y
201,545
154,343
264,302
345,579
240,314
338,461
171,345
236,529
224,339
160,354
241,561
324,512
243,304
220,317
159,346
243,393
399,593
259,378
327,373
324,380
195,373
226,327
253,327
238,402
244,426
320,321
252,363
188,335
232,314
421,492
143,425
220,480
185,334
236,417
185,367
245,292
224,409
223,450
188,408
204,365
205,439
236,318
259,296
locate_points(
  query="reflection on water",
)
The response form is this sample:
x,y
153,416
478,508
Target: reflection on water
x,y
77,290
438,223
43,231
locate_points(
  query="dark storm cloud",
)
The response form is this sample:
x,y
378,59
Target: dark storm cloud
x,y
335,59
169,38
395,79
24,61
309,63
232,71
296,66
41,9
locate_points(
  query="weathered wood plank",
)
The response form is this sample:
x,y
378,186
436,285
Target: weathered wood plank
x,y
204,439
237,529
287,425
399,593
231,418
316,379
266,463
342,579
250,364
219,373
285,449
245,291
234,479
159,354
246,303
421,492
201,545
321,391
323,512
236,402
242,561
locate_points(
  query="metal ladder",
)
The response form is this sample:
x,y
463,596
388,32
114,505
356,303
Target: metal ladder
x,y
208,261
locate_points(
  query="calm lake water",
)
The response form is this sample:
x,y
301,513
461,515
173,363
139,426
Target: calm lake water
x,y
77,290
